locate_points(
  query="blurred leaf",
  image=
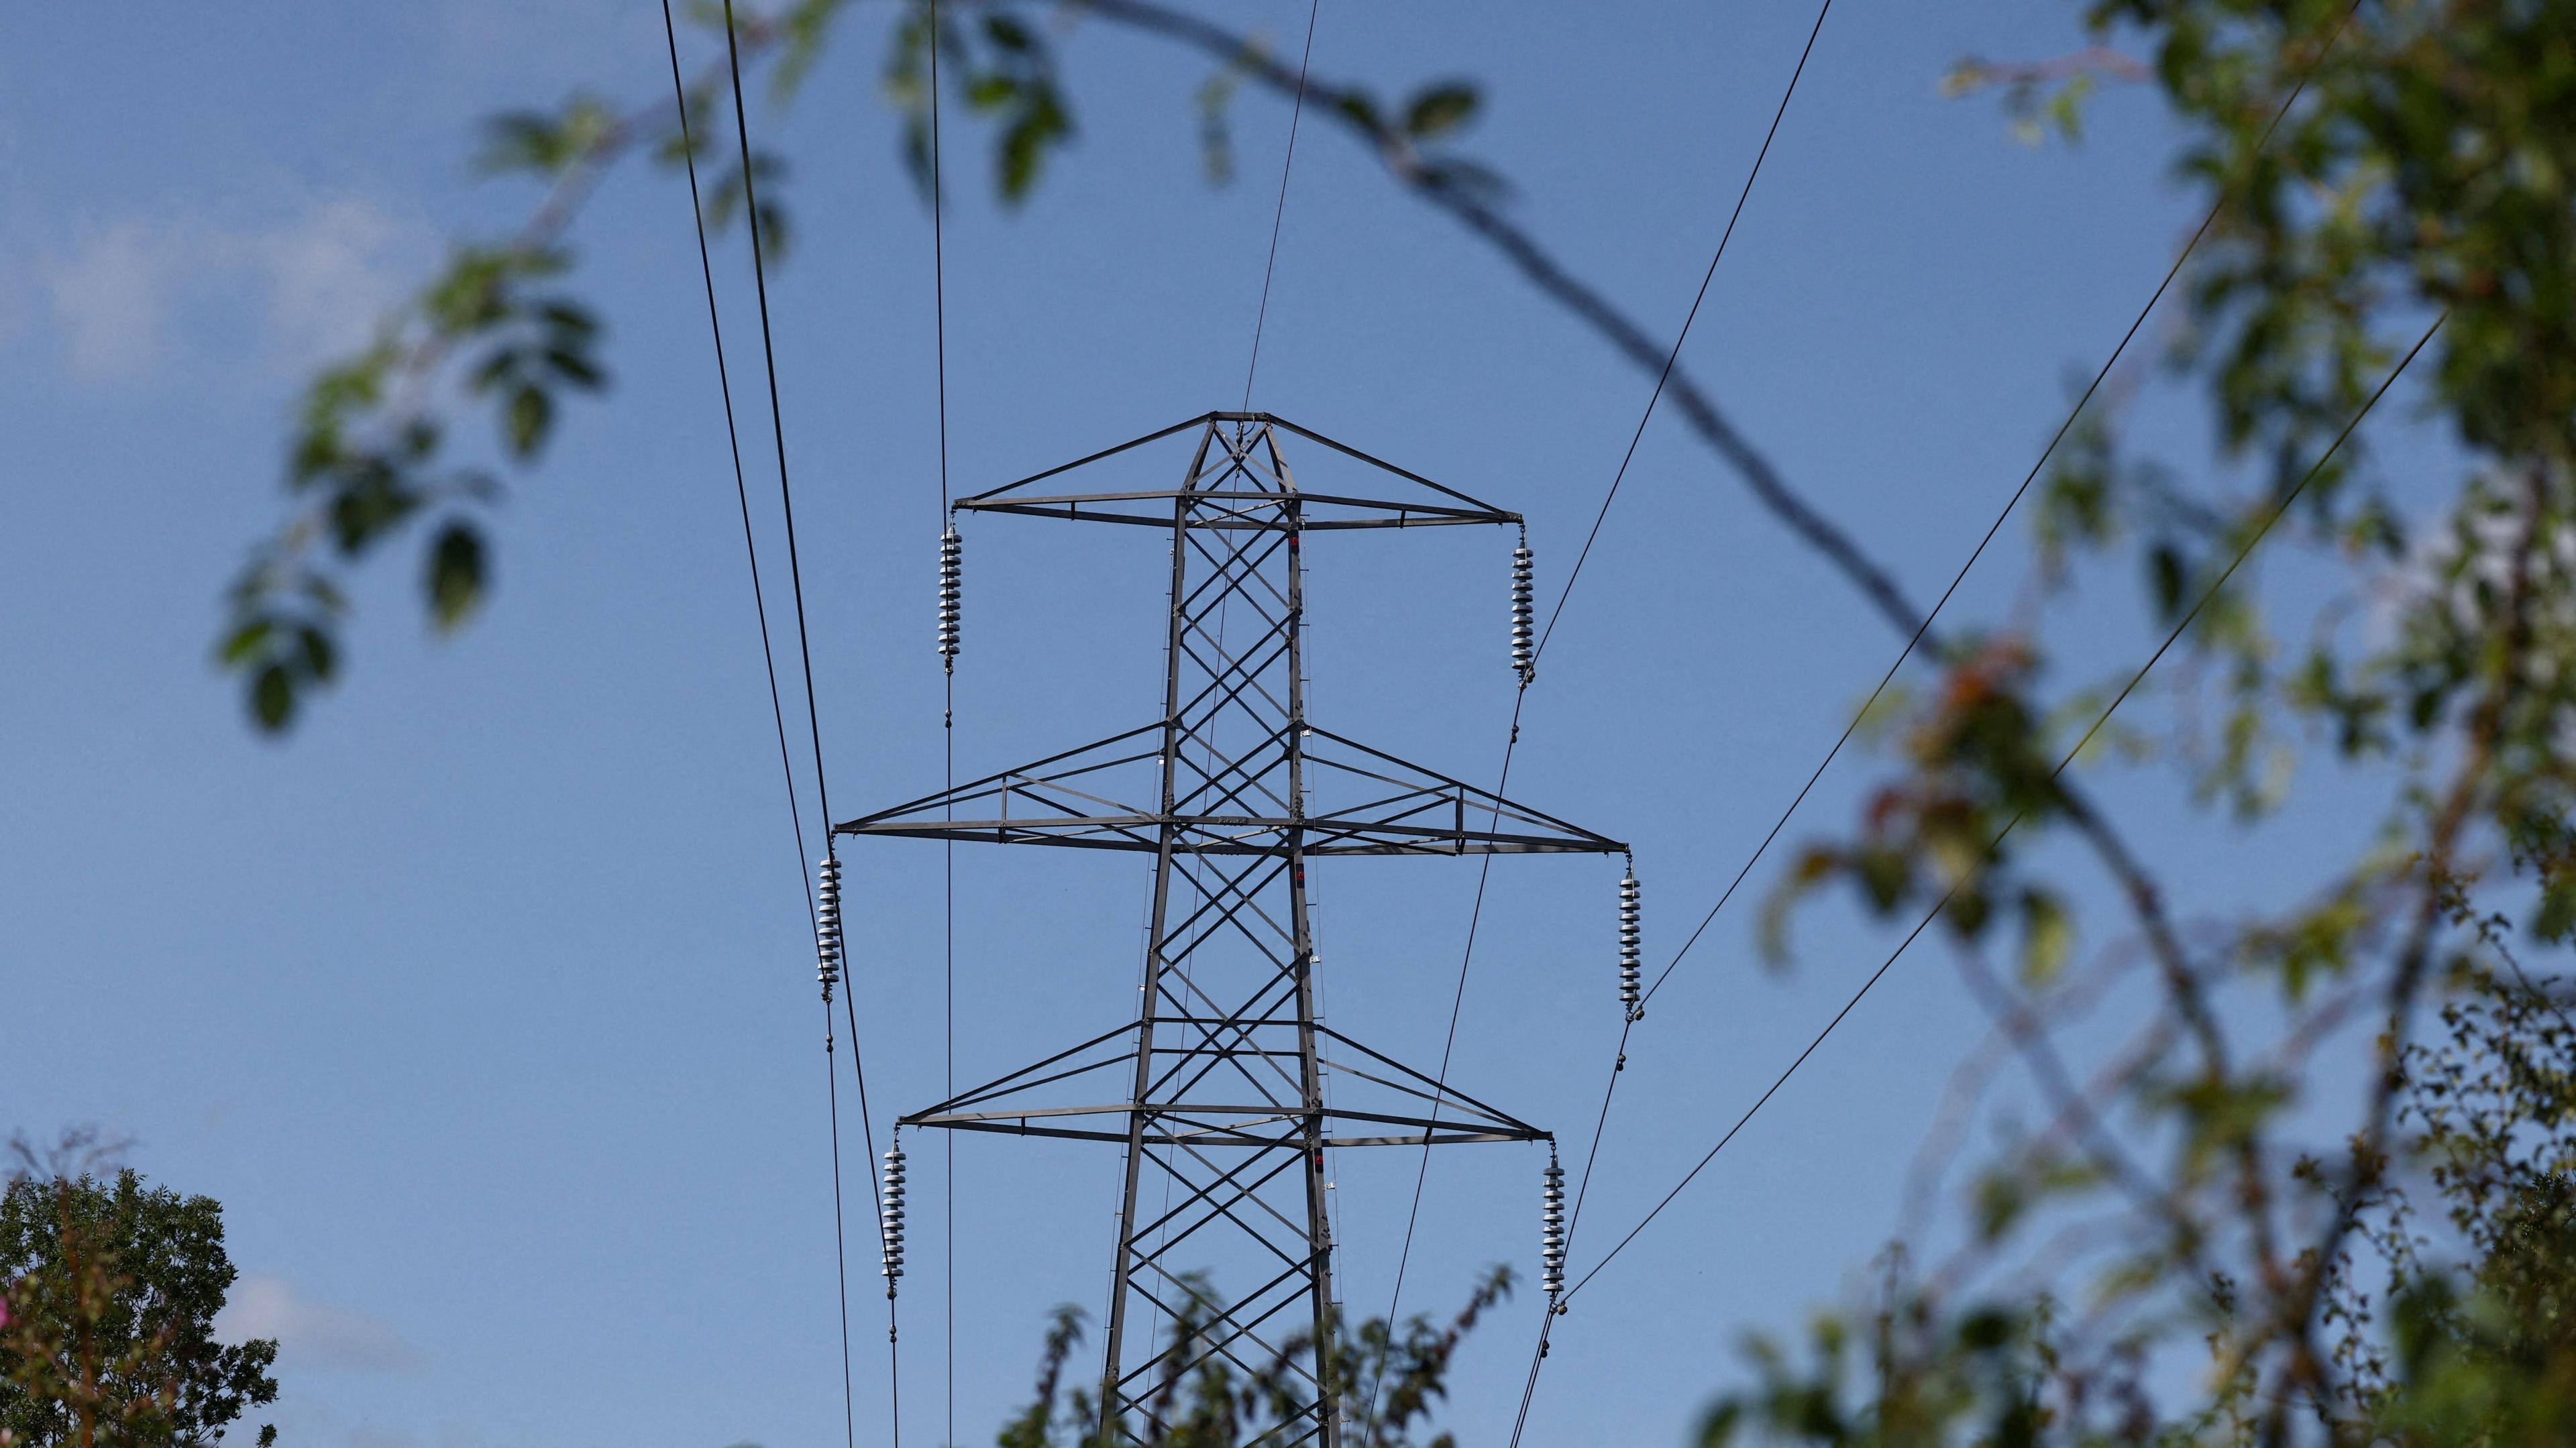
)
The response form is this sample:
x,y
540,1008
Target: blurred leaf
x,y
455,581
1437,110
546,144
532,413
2048,938
2556,918
247,640
2165,575
273,698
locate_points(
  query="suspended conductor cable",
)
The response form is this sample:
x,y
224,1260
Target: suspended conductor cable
x,y
1296,109
1662,378
1448,1045
777,422
840,1226
805,652
948,742
2245,550
1674,357
733,439
1924,628
876,1195
1921,631
777,712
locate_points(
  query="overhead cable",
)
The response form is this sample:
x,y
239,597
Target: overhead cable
x,y
1921,631
777,711
1527,667
2279,507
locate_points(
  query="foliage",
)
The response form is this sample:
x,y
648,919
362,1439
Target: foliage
x,y
1393,1376
108,1295
374,456
2377,168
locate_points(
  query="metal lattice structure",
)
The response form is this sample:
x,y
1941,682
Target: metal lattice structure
x,y
1234,1088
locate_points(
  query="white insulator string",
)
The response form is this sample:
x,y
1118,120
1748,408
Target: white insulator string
x,y
951,593
1524,613
1631,951
890,1214
827,926
1552,1228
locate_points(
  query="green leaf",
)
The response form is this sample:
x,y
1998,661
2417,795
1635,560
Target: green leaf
x,y
532,413
1026,142
2047,939
568,319
320,657
247,640
1008,34
501,366
272,698
574,368
2165,573
455,581
2556,918
1439,109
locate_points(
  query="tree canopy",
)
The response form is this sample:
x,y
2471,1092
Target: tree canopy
x,y
108,1293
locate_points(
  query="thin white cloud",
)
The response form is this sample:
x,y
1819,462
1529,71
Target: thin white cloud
x,y
112,300
134,297
313,1334
332,273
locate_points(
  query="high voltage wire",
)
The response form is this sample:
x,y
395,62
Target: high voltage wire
x,y
2278,509
777,711
948,766
777,422
1662,379
1921,631
742,493
1673,358
1279,213
751,206
1924,628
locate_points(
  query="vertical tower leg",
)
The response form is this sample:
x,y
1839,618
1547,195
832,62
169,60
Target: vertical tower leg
x,y
1227,1105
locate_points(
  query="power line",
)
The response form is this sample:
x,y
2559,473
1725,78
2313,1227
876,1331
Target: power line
x,y
1921,630
2278,508
742,493
777,712
813,713
948,743
1296,109
777,422
1673,358
1662,378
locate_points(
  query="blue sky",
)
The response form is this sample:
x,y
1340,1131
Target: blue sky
x,y
484,1002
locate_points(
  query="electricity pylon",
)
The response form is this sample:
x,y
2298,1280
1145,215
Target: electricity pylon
x,y
1236,1087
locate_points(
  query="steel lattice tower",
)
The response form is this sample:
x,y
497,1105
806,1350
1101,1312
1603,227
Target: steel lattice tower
x,y
1235,1088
